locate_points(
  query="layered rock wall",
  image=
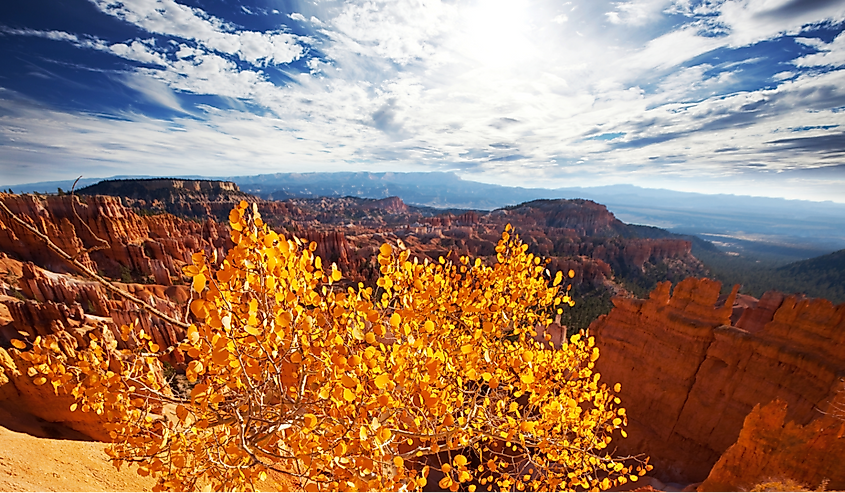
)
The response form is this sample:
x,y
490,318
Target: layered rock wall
x,y
689,378
771,449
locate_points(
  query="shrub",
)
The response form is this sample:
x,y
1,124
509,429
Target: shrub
x,y
436,369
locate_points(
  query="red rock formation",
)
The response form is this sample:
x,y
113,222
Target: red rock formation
x,y
331,247
62,303
689,378
126,237
394,205
770,449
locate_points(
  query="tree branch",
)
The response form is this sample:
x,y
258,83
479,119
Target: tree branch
x,y
93,275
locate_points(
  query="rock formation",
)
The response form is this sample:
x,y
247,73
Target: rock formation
x,y
769,449
689,378
193,198
104,235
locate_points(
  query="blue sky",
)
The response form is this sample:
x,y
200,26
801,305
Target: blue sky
x,y
721,96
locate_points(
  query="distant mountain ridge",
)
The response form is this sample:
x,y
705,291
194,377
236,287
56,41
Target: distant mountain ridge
x,y
759,227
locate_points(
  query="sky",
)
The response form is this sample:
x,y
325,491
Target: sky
x,y
715,96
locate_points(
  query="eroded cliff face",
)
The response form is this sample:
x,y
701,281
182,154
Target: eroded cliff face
x,y
771,449
689,378
104,235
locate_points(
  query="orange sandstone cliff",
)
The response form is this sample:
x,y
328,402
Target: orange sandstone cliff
x,y
689,378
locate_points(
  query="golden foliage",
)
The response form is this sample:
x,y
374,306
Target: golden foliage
x,y
781,485
352,389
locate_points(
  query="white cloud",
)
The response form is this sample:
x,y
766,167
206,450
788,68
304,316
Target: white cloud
x,y
155,91
166,17
397,30
830,54
636,12
85,41
560,19
138,51
750,21
297,17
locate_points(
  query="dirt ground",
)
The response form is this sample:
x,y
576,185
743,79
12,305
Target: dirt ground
x,y
39,456
36,455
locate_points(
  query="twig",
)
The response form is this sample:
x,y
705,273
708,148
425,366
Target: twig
x,y
88,272
105,244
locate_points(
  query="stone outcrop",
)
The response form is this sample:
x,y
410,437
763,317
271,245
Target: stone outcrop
x,y
60,303
192,198
770,449
689,378
104,235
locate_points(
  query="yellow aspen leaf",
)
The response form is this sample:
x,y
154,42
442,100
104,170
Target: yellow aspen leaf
x,y
348,381
395,320
309,421
385,249
73,407
336,275
382,380
39,381
384,435
526,378
398,461
460,460
617,387
199,282
349,395
370,338
18,344
193,369
467,348
262,476
181,412
446,468
428,326
571,273
254,331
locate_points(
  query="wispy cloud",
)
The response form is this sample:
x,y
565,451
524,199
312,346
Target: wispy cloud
x,y
538,93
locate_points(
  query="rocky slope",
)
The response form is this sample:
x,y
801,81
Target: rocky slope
x,y
43,297
690,375
693,364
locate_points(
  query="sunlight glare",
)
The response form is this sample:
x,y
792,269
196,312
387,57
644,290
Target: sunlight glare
x,y
497,33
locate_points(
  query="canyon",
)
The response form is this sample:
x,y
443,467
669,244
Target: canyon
x,y
718,386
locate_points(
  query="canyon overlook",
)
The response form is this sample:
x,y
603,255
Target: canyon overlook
x,y
711,382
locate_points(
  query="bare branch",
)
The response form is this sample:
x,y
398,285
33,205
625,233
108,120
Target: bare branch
x,y
93,275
